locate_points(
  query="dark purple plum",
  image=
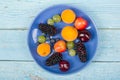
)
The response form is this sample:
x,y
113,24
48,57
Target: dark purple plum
x,y
84,35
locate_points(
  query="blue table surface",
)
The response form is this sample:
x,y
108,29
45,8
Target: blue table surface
x,y
16,62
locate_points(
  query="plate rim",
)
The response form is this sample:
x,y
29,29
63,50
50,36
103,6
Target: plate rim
x,y
97,42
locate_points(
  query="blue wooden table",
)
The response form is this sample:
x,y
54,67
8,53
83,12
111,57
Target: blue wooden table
x,y
16,62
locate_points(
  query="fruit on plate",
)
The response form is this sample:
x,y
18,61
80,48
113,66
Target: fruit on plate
x,y
54,59
41,39
52,40
68,16
70,44
72,52
43,49
84,35
69,33
80,23
47,29
50,22
60,46
57,39
81,51
47,37
64,65
56,18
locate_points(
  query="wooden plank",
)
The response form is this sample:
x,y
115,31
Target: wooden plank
x,y
89,5
20,13
108,48
105,19
31,71
13,45
101,19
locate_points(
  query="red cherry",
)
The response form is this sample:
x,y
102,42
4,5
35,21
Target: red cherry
x,y
80,23
64,65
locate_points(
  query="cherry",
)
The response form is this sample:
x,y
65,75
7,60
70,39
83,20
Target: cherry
x,y
84,35
64,65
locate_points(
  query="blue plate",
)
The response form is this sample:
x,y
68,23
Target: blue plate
x,y
75,63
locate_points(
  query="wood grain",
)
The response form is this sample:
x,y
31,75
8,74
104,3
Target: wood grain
x,y
31,71
16,17
20,14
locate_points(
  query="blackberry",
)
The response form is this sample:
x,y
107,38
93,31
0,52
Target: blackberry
x,y
43,28
81,51
54,59
47,29
83,57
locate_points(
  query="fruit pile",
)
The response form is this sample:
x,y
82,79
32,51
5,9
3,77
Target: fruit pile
x,y
68,42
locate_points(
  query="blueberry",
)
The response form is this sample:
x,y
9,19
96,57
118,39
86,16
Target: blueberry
x,y
57,39
38,43
47,38
43,33
52,40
